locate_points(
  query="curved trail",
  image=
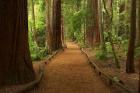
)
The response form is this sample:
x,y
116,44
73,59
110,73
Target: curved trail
x,y
69,72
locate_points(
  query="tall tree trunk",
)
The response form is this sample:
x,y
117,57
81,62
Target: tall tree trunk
x,y
57,43
139,39
49,26
15,66
138,25
89,23
96,23
101,27
62,32
110,16
131,48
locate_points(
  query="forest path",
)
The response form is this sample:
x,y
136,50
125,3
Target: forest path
x,y
69,72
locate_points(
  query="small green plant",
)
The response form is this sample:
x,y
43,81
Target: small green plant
x,y
108,47
101,55
137,52
38,53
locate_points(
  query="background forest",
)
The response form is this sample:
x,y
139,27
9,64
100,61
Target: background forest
x,y
102,25
107,29
37,28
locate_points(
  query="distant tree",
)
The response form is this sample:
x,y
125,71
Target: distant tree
x,y
15,66
54,25
96,23
57,43
110,28
101,26
131,48
139,36
49,25
90,23
138,25
33,17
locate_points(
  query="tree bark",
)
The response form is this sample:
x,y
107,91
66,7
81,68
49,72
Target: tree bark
x,y
110,16
89,23
139,37
49,25
15,66
131,48
96,23
57,43
138,25
101,27
62,32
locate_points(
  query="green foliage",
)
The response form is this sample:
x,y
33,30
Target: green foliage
x,y
101,55
37,47
108,47
137,52
37,53
75,12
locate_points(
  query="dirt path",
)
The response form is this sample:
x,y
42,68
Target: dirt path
x,y
69,72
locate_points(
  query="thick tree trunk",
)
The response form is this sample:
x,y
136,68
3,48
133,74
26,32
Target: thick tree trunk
x,y
92,23
15,66
58,24
57,43
130,55
54,25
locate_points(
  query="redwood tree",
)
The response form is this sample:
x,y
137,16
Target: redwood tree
x,y
131,48
15,66
54,25
96,22
139,36
90,23
49,25
138,24
57,43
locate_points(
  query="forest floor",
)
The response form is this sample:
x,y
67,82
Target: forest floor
x,y
108,66
70,72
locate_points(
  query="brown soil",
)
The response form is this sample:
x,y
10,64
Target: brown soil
x,y
70,72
